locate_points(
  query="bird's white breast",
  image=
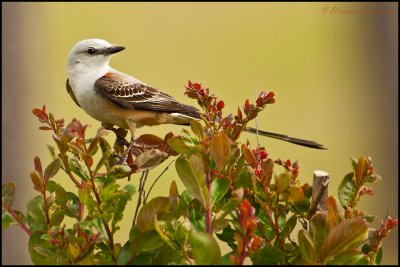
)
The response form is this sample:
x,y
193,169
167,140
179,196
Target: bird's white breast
x,y
91,101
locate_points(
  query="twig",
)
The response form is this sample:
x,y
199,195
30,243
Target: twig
x,y
258,143
208,203
15,216
151,187
142,182
106,227
68,171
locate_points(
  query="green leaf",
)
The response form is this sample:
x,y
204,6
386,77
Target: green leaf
x,y
178,144
61,194
267,224
282,219
6,220
347,190
226,259
57,217
38,183
218,224
157,205
283,182
52,169
72,205
196,216
78,167
379,255
346,235
35,215
8,193
123,196
118,172
186,197
43,253
219,187
227,235
168,256
145,241
125,255
192,176
350,257
268,255
318,229
204,247
244,178
197,129
104,158
164,230
234,157
220,149
289,226
145,258
306,245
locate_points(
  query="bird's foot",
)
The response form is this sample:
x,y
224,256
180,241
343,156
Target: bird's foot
x,y
128,151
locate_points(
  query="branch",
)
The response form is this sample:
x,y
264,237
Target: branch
x,y
319,192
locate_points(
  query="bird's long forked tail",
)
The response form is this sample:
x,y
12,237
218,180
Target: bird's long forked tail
x,y
297,141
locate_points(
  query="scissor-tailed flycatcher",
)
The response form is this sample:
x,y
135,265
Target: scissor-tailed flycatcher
x,y
115,98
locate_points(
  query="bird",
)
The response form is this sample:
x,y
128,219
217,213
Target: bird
x,y
115,98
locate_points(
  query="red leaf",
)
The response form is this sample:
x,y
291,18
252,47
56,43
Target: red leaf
x,y
41,114
45,128
240,116
246,107
220,105
38,166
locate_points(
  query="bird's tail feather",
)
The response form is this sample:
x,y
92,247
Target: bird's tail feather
x,y
286,138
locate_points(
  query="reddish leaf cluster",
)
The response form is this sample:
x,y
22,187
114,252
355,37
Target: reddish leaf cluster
x,y
386,227
196,91
247,241
365,190
54,125
265,98
232,125
260,154
293,169
76,128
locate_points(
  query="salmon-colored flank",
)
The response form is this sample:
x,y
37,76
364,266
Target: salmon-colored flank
x,y
108,74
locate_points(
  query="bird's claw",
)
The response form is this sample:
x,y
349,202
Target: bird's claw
x,y
128,151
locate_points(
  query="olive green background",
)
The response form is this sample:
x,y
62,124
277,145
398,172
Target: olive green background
x,y
332,66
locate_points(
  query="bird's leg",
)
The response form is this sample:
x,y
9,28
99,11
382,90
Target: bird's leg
x,y
132,128
119,133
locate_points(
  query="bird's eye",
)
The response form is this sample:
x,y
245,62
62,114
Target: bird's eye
x,y
91,50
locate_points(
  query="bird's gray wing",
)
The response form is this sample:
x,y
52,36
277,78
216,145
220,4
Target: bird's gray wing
x,y
130,94
71,93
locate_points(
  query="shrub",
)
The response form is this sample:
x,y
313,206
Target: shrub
x,y
234,193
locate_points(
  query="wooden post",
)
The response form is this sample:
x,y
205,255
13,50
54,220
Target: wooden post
x,y
319,192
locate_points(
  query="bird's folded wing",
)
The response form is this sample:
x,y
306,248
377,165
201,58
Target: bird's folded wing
x,y
71,93
135,95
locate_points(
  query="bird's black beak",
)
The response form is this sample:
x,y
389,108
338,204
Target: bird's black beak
x,y
114,49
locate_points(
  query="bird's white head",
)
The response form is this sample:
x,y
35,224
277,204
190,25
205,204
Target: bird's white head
x,y
91,54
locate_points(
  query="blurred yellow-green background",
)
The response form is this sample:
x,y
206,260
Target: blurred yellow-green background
x,y
332,66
